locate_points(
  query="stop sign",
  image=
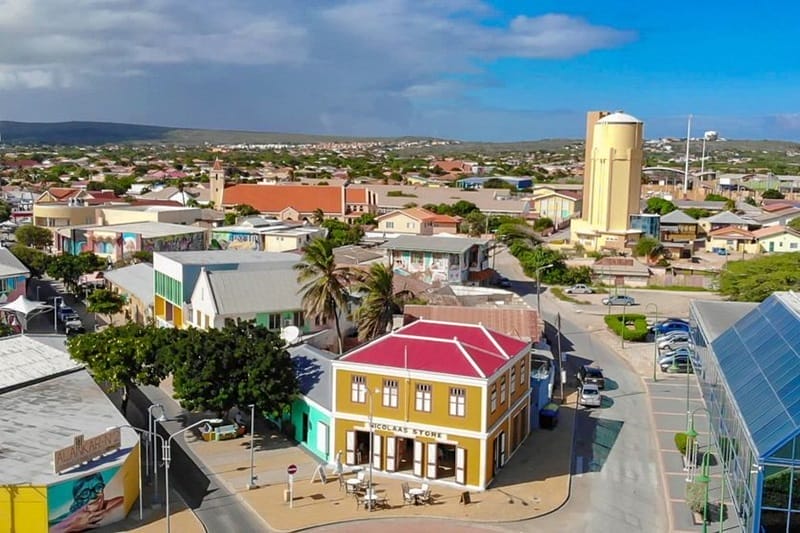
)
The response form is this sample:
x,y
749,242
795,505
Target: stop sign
x,y
291,469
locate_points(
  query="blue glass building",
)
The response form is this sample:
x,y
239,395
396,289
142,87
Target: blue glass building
x,y
747,361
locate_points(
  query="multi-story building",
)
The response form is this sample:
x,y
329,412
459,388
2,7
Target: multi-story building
x,y
13,277
677,226
439,400
445,259
176,274
612,182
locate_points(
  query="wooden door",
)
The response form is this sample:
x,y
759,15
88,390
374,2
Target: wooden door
x,y
377,441
418,453
350,448
432,461
461,466
391,454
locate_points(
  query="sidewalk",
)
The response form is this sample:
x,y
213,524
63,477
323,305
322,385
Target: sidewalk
x,y
534,482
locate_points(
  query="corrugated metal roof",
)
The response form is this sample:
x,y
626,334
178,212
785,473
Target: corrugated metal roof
x,y
238,292
760,360
10,265
312,367
677,217
136,280
452,245
25,359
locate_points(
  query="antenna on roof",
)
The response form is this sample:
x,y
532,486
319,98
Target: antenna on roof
x,y
290,334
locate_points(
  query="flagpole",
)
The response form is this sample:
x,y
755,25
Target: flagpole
x,y
686,169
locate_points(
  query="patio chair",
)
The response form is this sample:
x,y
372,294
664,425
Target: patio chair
x,y
407,497
426,497
342,485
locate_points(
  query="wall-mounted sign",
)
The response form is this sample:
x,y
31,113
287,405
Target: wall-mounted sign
x,y
83,450
409,431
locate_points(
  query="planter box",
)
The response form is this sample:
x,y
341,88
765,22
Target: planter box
x,y
697,518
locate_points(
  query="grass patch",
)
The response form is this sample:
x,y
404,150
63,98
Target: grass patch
x,y
559,293
637,333
682,288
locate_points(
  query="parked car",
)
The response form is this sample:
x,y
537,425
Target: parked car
x,y
667,359
593,375
673,346
670,325
672,337
682,362
590,395
619,299
580,288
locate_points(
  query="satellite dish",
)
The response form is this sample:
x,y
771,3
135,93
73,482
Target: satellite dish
x,y
290,334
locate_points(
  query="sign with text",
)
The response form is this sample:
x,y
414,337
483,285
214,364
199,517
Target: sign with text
x,y
83,450
410,431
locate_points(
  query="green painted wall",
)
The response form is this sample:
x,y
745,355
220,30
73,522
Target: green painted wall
x,y
315,416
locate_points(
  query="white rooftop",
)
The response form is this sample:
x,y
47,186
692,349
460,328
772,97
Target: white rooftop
x,y
27,358
619,118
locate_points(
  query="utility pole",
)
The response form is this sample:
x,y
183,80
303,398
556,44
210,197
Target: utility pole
x,y
686,169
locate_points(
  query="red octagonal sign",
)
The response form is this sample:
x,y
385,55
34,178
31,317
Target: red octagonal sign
x,y
291,469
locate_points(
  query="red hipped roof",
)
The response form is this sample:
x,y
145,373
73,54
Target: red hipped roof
x,y
457,349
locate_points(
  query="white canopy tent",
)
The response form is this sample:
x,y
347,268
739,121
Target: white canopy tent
x,y
23,309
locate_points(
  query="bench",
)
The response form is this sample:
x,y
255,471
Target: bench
x,y
219,433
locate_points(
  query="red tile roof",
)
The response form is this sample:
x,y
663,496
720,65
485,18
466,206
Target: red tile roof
x,y
355,195
276,198
730,231
779,206
467,350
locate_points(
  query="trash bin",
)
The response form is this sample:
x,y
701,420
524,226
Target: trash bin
x,y
548,416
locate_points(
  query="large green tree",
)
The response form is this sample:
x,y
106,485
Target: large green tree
x,y
648,247
126,356
659,206
755,279
34,236
105,302
794,223
35,260
237,365
323,284
772,194
380,302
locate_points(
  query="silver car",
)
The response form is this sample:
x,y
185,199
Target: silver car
x,y
580,288
590,395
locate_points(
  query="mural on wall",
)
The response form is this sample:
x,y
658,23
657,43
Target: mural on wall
x,y
228,240
175,243
10,288
77,242
131,243
87,502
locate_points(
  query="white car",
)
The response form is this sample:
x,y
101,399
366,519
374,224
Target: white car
x,y
580,288
589,395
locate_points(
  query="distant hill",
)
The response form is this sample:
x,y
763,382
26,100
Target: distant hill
x,y
96,133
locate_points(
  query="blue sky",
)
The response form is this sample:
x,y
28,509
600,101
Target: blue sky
x,y
493,70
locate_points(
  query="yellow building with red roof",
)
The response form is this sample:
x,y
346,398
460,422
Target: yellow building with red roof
x,y
439,401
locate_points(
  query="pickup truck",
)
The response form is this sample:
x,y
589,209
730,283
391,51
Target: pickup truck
x,y
65,313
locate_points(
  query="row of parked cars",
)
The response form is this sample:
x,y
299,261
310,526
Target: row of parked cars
x,y
672,336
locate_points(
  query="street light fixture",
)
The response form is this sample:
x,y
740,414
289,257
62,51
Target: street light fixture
x,y
539,290
655,339
152,445
167,456
143,433
371,438
57,300
253,477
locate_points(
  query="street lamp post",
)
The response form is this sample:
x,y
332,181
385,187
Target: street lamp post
x,y
56,302
655,339
539,290
151,424
252,484
371,438
143,433
168,457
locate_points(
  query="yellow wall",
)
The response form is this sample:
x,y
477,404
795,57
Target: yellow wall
x,y
23,509
160,306
502,406
471,445
521,370
130,478
405,411
489,460
61,214
401,223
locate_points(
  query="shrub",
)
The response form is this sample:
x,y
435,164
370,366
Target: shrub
x,y
696,496
681,442
637,334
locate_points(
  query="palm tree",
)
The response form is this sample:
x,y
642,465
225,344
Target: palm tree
x,y
380,303
324,283
318,217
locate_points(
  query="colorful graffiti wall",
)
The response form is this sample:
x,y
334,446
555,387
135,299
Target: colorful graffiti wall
x,y
176,243
228,240
94,500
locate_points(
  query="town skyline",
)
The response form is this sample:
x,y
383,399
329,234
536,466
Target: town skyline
x,y
466,70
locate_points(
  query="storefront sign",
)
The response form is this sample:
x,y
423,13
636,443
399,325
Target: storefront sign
x,y
82,450
410,431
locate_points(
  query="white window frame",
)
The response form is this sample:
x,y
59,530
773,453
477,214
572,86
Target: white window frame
x,y
358,389
458,401
493,400
390,392
513,381
503,390
423,398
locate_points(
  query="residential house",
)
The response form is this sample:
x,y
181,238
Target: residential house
x,y
732,239
13,276
445,259
489,201
176,274
724,219
451,166
777,239
621,271
774,215
310,419
125,214
135,284
439,401
267,293
61,207
677,226
558,206
357,255
417,221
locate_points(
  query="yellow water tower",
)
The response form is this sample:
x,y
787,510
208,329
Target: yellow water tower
x,y
612,181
